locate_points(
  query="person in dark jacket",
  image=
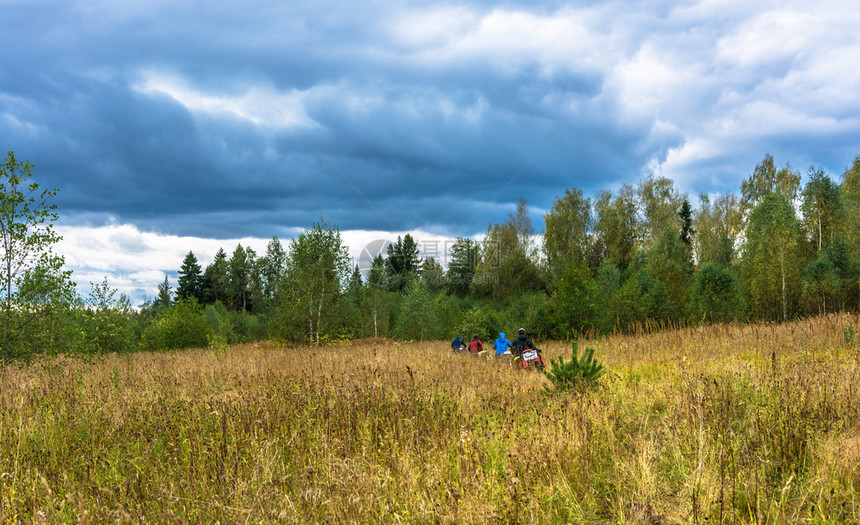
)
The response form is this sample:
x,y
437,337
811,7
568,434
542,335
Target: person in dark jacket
x,y
457,343
475,346
521,343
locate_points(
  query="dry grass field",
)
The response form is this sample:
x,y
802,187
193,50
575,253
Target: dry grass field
x,y
728,424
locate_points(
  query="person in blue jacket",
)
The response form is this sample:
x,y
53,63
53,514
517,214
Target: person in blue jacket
x,y
501,345
457,343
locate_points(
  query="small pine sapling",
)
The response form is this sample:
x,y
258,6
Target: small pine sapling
x,y
574,373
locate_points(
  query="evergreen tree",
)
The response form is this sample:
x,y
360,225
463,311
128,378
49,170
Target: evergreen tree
x,y
376,296
403,262
461,269
190,279
238,280
164,300
273,264
521,223
215,279
685,214
433,275
416,317
508,264
355,299
505,269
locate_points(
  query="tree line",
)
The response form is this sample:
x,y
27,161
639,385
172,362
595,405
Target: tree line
x,y
639,256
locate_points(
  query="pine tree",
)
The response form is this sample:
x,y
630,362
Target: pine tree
x,y
273,265
165,296
190,279
461,269
215,279
403,262
238,281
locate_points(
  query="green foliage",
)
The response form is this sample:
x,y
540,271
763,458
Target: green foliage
x,y
272,269
508,264
767,179
607,283
433,275
182,326
772,260
416,316
718,227
164,300
33,284
403,263
716,295
576,373
307,305
215,279
238,279
108,321
567,238
821,289
572,302
218,322
658,201
618,226
190,279
475,321
822,208
669,263
462,266
850,192
640,299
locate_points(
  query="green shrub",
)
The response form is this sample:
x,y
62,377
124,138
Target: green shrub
x,y
219,323
181,326
575,373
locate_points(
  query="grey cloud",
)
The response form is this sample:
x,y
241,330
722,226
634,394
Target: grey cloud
x,y
422,140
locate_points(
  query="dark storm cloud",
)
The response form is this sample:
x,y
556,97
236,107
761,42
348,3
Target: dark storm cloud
x,y
165,115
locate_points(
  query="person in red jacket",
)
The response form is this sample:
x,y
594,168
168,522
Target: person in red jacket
x,y
475,346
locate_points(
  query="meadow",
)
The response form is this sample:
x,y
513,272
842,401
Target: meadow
x,y
720,424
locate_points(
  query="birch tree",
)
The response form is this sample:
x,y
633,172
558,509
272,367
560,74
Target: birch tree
x,y
32,276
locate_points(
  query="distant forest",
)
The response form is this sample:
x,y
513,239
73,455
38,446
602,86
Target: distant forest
x,y
639,258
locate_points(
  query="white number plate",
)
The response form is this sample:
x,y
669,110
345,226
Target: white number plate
x,y
529,355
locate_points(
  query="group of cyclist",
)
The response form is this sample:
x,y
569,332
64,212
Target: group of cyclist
x,y
502,346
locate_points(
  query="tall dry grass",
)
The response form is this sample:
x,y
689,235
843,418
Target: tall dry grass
x,y
725,424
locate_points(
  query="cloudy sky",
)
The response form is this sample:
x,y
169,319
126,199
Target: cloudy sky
x,y
177,125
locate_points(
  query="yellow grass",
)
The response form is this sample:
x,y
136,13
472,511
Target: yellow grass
x,y
729,424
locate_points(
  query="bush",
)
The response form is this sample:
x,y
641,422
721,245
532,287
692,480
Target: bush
x,y
574,373
108,323
182,326
716,296
218,321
